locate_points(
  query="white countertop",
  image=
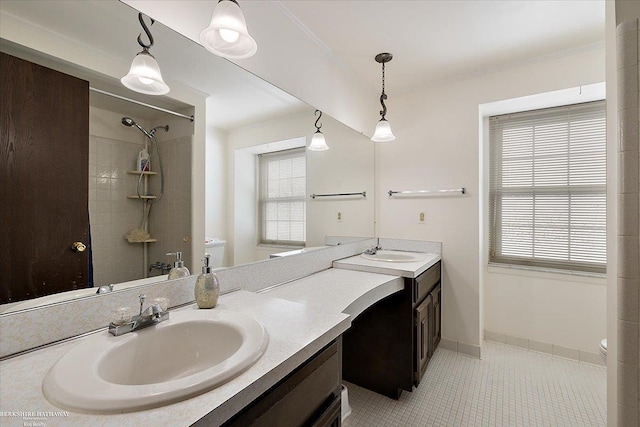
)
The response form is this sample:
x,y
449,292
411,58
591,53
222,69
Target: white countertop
x,y
301,318
405,269
296,332
335,290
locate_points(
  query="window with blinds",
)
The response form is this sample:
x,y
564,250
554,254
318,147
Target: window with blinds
x,y
283,189
548,188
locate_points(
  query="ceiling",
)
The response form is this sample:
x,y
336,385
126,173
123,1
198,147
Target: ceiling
x,y
238,98
434,41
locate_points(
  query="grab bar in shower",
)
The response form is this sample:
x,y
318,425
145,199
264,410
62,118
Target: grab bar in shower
x,y
429,192
362,193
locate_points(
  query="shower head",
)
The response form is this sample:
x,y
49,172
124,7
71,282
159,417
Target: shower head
x,y
128,121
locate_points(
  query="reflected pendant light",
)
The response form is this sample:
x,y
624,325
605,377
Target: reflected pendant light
x,y
317,140
227,34
383,128
144,75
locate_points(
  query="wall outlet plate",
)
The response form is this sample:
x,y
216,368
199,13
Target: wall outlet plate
x,y
422,216
339,216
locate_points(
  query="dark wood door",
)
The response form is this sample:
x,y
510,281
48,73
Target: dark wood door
x,y
423,336
44,161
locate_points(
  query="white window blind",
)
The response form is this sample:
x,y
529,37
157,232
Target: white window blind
x,y
283,192
548,188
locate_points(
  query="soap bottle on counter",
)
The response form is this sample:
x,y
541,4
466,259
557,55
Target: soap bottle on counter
x,y
207,286
178,270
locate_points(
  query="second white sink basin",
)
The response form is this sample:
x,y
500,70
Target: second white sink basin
x,y
391,256
192,352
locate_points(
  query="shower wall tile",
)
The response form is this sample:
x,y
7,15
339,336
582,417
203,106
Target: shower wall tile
x,y
628,175
628,299
628,214
627,49
628,222
628,257
627,385
628,349
628,87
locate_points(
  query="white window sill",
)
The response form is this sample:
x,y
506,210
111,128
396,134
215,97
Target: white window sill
x,y
550,274
269,246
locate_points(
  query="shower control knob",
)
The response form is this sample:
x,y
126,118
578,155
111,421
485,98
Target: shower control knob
x,y
78,247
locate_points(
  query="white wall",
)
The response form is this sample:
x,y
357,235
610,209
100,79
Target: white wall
x,y
347,166
216,183
437,147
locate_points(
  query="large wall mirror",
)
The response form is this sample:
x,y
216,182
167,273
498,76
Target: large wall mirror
x,y
246,119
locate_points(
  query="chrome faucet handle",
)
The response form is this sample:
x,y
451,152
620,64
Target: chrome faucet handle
x,y
142,297
152,310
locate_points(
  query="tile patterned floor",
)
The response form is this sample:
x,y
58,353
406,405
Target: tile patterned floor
x,y
509,387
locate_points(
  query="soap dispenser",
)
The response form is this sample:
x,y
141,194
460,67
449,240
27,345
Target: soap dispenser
x,y
178,270
207,286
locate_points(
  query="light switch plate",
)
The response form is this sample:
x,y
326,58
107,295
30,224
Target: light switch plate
x,y
422,216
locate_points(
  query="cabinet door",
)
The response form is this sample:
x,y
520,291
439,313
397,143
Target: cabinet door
x,y
436,324
423,318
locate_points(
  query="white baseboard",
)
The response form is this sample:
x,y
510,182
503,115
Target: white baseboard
x,y
547,348
459,347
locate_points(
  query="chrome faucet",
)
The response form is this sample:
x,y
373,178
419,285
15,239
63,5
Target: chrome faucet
x,y
104,289
150,316
373,250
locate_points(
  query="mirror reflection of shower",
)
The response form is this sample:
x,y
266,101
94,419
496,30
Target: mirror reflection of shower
x,y
141,234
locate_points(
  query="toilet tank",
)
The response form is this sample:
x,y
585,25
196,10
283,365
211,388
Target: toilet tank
x,y
215,248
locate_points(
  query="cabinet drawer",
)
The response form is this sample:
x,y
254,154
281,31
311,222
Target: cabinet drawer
x,y
426,282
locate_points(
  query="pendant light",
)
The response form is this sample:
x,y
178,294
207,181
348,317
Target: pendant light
x,y
383,128
227,34
317,140
144,75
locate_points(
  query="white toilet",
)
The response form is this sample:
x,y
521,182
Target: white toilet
x,y
603,350
215,248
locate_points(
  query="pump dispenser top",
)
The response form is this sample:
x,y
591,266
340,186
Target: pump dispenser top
x,y
178,270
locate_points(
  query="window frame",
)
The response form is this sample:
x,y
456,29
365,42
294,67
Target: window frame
x,y
263,200
497,193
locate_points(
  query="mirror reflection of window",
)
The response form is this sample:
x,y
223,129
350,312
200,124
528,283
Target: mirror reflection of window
x,y
282,189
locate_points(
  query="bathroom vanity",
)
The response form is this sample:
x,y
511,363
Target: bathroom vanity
x,y
299,375
388,347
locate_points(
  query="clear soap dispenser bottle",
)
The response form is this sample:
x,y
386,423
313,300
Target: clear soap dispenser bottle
x,y
178,270
207,286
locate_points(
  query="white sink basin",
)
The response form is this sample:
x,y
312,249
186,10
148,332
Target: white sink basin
x,y
192,352
391,256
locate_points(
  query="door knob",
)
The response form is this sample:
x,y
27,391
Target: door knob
x,y
78,247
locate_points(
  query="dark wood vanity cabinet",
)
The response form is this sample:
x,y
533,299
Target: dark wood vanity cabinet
x,y
426,318
389,345
309,396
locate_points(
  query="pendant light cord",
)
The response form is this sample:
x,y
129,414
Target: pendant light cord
x,y
383,96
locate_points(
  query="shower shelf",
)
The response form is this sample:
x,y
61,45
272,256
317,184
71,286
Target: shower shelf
x,y
143,173
135,196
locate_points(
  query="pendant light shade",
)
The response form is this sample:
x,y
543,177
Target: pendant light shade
x,y
318,142
144,75
383,128
227,34
383,132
